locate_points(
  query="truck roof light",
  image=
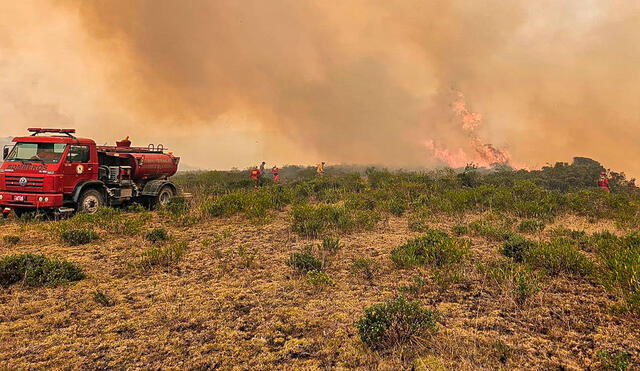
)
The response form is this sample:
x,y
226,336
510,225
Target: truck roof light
x,y
37,131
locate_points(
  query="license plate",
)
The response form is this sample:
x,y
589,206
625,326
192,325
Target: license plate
x,y
18,198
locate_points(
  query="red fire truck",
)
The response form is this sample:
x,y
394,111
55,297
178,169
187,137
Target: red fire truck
x,y
53,171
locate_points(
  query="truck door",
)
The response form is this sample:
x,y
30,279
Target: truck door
x,y
78,166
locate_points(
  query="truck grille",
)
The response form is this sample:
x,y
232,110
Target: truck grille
x,y
32,181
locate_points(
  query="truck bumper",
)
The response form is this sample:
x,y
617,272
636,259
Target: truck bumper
x,y
30,200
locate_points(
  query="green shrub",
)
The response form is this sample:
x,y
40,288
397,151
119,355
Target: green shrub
x,y
531,226
135,208
614,361
157,235
103,299
395,322
318,278
518,278
415,288
11,239
417,224
304,262
558,256
314,220
396,206
618,266
515,247
107,219
75,237
365,267
331,245
177,206
434,248
37,270
163,256
247,256
459,230
487,229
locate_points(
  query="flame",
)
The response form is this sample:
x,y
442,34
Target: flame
x,y
486,155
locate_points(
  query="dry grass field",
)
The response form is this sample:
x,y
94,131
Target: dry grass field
x,y
220,294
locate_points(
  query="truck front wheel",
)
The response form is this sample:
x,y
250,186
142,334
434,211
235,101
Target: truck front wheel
x,y
90,201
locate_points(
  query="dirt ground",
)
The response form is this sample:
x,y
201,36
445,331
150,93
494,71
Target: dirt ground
x,y
216,309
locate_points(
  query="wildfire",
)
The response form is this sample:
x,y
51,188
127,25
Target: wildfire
x,y
486,155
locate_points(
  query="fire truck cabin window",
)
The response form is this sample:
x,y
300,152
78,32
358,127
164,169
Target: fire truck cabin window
x,y
78,154
49,153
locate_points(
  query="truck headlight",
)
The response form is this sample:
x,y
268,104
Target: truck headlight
x,y
0,197
40,198
46,199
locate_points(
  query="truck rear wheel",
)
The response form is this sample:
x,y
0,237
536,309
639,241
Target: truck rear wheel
x,y
164,196
90,201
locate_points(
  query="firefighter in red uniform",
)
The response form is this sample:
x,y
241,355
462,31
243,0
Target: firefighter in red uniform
x,y
255,176
276,174
603,182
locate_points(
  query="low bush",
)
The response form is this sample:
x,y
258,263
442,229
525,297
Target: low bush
x,y
614,361
314,220
515,247
519,278
157,235
489,230
459,230
103,299
618,266
318,279
163,256
37,270
415,288
434,248
331,245
395,323
304,262
11,239
247,255
531,226
75,237
107,219
177,206
558,256
365,267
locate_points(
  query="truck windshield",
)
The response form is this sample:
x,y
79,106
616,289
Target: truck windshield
x,y
48,153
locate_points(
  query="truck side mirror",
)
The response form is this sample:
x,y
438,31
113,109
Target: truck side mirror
x,y
5,152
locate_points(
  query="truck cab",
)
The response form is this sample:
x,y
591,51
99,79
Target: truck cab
x,y
61,173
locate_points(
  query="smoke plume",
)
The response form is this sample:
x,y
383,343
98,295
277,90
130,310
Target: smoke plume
x,y
230,83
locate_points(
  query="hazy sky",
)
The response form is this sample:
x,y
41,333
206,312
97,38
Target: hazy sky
x,y
229,83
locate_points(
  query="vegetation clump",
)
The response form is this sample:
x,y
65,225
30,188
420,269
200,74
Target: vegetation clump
x,y
157,235
75,237
531,226
304,262
558,256
515,247
395,323
103,299
365,267
435,248
314,220
11,239
618,267
161,255
37,270
614,361
318,279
